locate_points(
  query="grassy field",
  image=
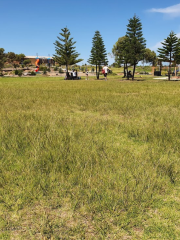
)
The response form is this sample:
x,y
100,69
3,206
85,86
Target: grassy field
x,y
89,159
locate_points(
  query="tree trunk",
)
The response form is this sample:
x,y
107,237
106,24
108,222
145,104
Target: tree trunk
x,y
97,73
66,70
169,73
125,70
134,67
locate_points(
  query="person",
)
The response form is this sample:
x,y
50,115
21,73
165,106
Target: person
x,y
105,68
71,74
74,75
129,74
87,75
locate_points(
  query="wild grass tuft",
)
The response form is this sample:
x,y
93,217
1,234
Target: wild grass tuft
x,y
89,159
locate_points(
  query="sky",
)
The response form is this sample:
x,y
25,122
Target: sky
x,y
31,27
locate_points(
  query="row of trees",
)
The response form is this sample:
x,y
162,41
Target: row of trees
x,y
129,50
10,57
67,55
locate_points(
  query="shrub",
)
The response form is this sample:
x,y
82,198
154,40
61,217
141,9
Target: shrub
x,y
55,68
20,73
82,69
16,65
32,73
27,61
164,72
42,68
61,71
16,72
112,74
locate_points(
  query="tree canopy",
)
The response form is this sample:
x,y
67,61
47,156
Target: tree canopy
x,y
150,57
170,51
98,52
20,57
136,43
65,49
121,52
11,56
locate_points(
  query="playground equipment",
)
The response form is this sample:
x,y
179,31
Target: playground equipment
x,y
37,65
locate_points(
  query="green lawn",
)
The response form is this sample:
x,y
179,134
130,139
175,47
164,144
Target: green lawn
x,y
89,159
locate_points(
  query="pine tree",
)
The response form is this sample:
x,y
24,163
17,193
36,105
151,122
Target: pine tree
x,y
136,43
65,50
170,51
98,52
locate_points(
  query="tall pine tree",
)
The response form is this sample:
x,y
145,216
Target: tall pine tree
x,y
136,42
65,50
98,52
170,51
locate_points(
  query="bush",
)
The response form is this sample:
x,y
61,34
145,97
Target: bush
x,y
27,61
61,71
16,72
112,74
20,73
32,73
55,68
16,65
82,69
42,68
7,65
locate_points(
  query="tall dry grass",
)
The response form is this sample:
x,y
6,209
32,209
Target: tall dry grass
x,y
87,159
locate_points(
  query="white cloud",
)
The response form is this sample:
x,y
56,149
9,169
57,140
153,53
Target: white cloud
x,y
173,11
156,46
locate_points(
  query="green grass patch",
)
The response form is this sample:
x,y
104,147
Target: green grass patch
x,y
89,159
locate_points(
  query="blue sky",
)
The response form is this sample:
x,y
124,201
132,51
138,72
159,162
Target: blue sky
x,y
31,27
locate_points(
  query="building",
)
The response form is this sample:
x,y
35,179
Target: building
x,y
42,59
